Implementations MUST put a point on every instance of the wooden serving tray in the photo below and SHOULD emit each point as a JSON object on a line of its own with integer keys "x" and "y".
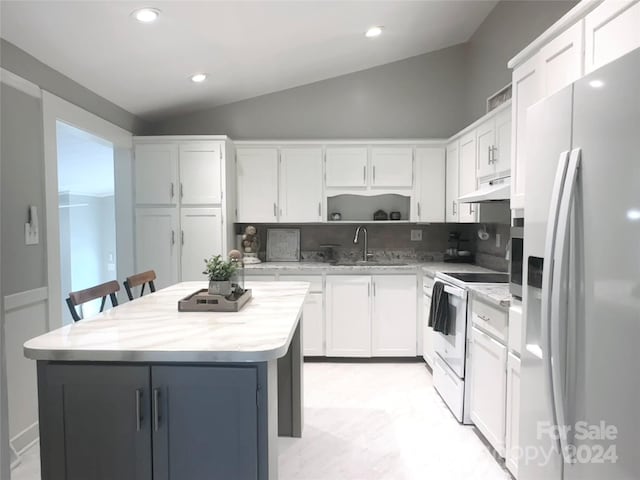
{"x": 202, "y": 301}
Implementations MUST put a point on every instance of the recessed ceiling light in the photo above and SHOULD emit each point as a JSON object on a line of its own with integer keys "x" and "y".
{"x": 596, "y": 83}
{"x": 146, "y": 15}
{"x": 374, "y": 32}
{"x": 198, "y": 77}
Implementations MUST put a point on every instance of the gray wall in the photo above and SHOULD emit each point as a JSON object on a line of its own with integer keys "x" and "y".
{"x": 30, "y": 68}
{"x": 413, "y": 98}
{"x": 431, "y": 95}
{"x": 23, "y": 267}
{"x": 510, "y": 27}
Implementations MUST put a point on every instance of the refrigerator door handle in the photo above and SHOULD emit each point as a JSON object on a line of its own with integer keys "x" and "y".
{"x": 558, "y": 297}
{"x": 547, "y": 277}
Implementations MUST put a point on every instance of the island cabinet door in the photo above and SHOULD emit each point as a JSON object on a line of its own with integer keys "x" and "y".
{"x": 205, "y": 423}
{"x": 94, "y": 422}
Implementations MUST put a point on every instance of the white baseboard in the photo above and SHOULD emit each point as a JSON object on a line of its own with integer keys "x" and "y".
{"x": 25, "y": 439}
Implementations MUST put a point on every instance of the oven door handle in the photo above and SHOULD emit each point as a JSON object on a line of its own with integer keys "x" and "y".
{"x": 456, "y": 292}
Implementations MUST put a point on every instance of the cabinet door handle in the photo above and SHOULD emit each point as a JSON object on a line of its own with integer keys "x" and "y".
{"x": 374, "y": 174}
{"x": 275, "y": 211}
{"x": 181, "y": 190}
{"x": 368, "y": 289}
{"x": 364, "y": 174}
{"x": 418, "y": 209}
{"x": 374, "y": 288}
{"x": 173, "y": 237}
{"x": 138, "y": 414}
{"x": 494, "y": 158}
{"x": 182, "y": 237}
{"x": 171, "y": 190}
{"x": 156, "y": 409}
{"x": 470, "y": 209}
{"x": 489, "y": 156}
{"x": 454, "y": 207}
{"x": 319, "y": 209}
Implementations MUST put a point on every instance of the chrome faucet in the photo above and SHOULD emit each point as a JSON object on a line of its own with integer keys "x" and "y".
{"x": 365, "y": 252}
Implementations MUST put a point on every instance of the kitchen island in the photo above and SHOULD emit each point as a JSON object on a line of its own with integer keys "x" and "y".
{"x": 143, "y": 391}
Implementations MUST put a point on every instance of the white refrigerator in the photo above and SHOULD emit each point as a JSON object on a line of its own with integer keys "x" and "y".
{"x": 580, "y": 370}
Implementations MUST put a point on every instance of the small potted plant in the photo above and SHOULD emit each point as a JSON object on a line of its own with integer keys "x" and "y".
{"x": 220, "y": 272}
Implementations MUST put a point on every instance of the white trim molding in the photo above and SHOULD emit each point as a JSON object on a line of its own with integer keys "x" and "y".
{"x": 19, "y": 83}
{"x": 56, "y": 109}
{"x": 24, "y": 299}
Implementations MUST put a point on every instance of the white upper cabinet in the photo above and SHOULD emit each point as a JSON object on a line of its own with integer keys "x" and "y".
{"x": 430, "y": 187}
{"x": 486, "y": 143}
{"x": 526, "y": 91}
{"x": 611, "y": 30}
{"x": 391, "y": 167}
{"x": 393, "y": 330}
{"x": 156, "y": 174}
{"x": 157, "y": 244}
{"x": 561, "y": 60}
{"x": 200, "y": 238}
{"x": 301, "y": 184}
{"x": 257, "y": 170}
{"x": 200, "y": 173}
{"x": 502, "y": 150}
{"x": 452, "y": 179}
{"x": 346, "y": 167}
{"x": 467, "y": 177}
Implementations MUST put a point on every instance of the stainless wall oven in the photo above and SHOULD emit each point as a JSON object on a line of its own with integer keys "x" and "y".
{"x": 516, "y": 258}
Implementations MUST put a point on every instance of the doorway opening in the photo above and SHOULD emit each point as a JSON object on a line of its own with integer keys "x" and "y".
{"x": 86, "y": 203}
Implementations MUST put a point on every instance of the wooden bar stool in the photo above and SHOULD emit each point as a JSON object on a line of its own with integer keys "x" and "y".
{"x": 103, "y": 290}
{"x": 140, "y": 279}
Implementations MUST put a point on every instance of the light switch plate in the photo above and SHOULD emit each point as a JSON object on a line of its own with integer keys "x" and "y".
{"x": 416, "y": 235}
{"x": 31, "y": 236}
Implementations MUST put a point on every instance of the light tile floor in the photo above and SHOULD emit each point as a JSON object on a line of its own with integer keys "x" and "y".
{"x": 371, "y": 421}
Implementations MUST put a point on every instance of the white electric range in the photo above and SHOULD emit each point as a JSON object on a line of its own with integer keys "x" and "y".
{"x": 451, "y": 349}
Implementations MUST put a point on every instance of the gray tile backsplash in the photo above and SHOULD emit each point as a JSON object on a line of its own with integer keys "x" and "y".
{"x": 393, "y": 242}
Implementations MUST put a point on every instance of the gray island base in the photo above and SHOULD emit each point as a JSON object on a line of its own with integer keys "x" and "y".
{"x": 134, "y": 394}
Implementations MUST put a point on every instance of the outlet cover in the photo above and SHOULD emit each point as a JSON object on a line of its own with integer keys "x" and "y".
{"x": 416, "y": 235}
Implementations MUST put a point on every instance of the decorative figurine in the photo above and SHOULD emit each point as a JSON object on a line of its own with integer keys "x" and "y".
{"x": 250, "y": 245}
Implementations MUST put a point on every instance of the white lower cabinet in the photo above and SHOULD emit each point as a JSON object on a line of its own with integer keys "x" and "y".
{"x": 312, "y": 315}
{"x": 513, "y": 414}
{"x": 200, "y": 238}
{"x": 313, "y": 326}
{"x": 427, "y": 332}
{"x": 488, "y": 388}
{"x": 157, "y": 244}
{"x": 393, "y": 330}
{"x": 348, "y": 316}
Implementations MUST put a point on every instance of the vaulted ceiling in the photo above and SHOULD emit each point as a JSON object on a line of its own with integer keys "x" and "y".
{"x": 248, "y": 48}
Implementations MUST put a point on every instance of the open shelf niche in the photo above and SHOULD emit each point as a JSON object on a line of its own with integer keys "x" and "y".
{"x": 360, "y": 208}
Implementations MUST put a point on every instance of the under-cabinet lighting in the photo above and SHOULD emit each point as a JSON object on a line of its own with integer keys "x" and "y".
{"x": 374, "y": 32}
{"x": 146, "y": 15}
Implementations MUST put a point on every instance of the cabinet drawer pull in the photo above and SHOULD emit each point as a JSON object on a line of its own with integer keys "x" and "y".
{"x": 138, "y": 413}
{"x": 156, "y": 409}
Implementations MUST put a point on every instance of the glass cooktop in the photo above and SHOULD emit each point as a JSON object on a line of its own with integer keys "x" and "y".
{"x": 480, "y": 277}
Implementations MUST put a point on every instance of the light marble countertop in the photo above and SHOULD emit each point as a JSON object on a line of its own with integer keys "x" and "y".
{"x": 150, "y": 329}
{"x": 497, "y": 294}
{"x": 402, "y": 266}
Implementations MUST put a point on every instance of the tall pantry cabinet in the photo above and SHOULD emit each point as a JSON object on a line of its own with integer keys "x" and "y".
{"x": 185, "y": 204}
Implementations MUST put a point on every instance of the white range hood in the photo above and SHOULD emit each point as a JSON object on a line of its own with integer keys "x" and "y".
{"x": 496, "y": 190}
